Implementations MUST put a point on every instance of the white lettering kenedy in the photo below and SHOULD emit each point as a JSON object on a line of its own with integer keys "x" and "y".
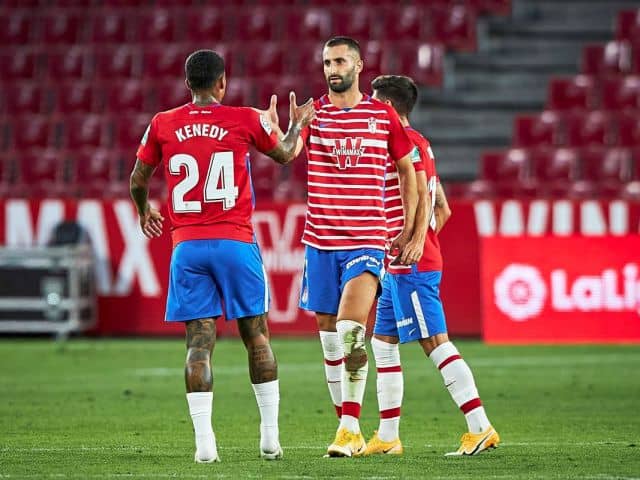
{"x": 201, "y": 130}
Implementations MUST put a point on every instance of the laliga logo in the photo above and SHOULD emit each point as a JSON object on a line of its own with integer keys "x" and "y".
{"x": 520, "y": 292}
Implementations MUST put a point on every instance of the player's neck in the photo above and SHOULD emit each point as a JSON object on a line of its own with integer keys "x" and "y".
{"x": 202, "y": 99}
{"x": 404, "y": 121}
{"x": 348, "y": 99}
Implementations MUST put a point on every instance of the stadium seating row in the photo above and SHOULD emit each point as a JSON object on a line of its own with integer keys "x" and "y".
{"x": 614, "y": 57}
{"x": 255, "y": 60}
{"x": 103, "y": 173}
{"x": 546, "y": 171}
{"x": 577, "y": 128}
{"x": 585, "y": 92}
{"x": 453, "y": 25}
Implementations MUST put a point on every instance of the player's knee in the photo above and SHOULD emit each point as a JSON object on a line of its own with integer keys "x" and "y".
{"x": 326, "y": 322}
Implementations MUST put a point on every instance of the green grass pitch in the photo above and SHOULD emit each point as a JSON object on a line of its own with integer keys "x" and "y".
{"x": 116, "y": 409}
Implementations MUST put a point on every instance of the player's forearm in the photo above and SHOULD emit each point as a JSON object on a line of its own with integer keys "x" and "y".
{"x": 441, "y": 208}
{"x": 139, "y": 187}
{"x": 287, "y": 146}
{"x": 409, "y": 195}
{"x": 423, "y": 211}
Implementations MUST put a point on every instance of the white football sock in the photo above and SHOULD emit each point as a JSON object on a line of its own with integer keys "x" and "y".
{"x": 459, "y": 381}
{"x": 200, "y": 410}
{"x": 390, "y": 388}
{"x": 353, "y": 383}
{"x": 268, "y": 399}
{"x": 333, "y": 355}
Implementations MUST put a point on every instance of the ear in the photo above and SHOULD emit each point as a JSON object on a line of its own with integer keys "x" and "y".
{"x": 222, "y": 82}
{"x": 186, "y": 82}
{"x": 359, "y": 65}
{"x": 388, "y": 102}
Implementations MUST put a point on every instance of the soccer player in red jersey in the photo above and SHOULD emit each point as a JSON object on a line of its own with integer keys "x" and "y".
{"x": 410, "y": 308}
{"x": 202, "y": 148}
{"x": 347, "y": 147}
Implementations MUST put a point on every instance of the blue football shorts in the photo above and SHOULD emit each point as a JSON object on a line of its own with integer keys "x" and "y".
{"x": 326, "y": 272}
{"x": 410, "y": 307}
{"x": 211, "y": 277}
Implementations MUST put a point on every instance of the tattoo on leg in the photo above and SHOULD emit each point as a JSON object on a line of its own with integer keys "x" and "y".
{"x": 356, "y": 358}
{"x": 201, "y": 337}
{"x": 255, "y": 335}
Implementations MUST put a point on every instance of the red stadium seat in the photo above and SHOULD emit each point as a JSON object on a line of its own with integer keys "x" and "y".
{"x": 95, "y": 171}
{"x": 7, "y": 167}
{"x": 84, "y": 131}
{"x": 628, "y": 25}
{"x": 117, "y": 63}
{"x": 171, "y": 93}
{"x": 494, "y": 7}
{"x": 155, "y": 25}
{"x": 280, "y": 86}
{"x": 108, "y": 26}
{"x": 77, "y": 97}
{"x": 613, "y": 57}
{"x": 16, "y": 27}
{"x": 628, "y": 129}
{"x": 421, "y": 61}
{"x": 606, "y": 168}
{"x": 19, "y": 64}
{"x": 41, "y": 172}
{"x": 306, "y": 59}
{"x": 33, "y": 131}
{"x": 371, "y": 52}
{"x": 504, "y": 173}
{"x": 239, "y": 92}
{"x": 257, "y": 23}
{"x": 264, "y": 58}
{"x": 129, "y": 130}
{"x": 403, "y": 22}
{"x": 619, "y": 93}
{"x": 590, "y": 128}
{"x": 568, "y": 93}
{"x": 68, "y": 63}
{"x": 356, "y": 22}
{"x": 540, "y": 129}
{"x": 554, "y": 170}
{"x": 165, "y": 61}
{"x": 129, "y": 96}
{"x": 310, "y": 24}
{"x": 61, "y": 27}
{"x": 264, "y": 175}
{"x": 454, "y": 26}
{"x": 24, "y": 97}
{"x": 207, "y": 25}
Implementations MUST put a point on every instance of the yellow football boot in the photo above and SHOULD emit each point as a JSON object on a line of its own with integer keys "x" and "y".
{"x": 347, "y": 444}
{"x": 375, "y": 446}
{"x": 474, "y": 443}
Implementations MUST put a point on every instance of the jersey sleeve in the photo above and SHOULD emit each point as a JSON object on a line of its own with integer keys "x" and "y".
{"x": 417, "y": 160}
{"x": 304, "y": 134}
{"x": 430, "y": 162}
{"x": 260, "y": 131}
{"x": 149, "y": 151}
{"x": 399, "y": 142}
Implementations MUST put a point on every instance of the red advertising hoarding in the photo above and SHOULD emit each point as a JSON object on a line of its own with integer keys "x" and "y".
{"x": 561, "y": 289}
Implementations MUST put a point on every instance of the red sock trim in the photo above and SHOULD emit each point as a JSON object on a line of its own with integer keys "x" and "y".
{"x": 448, "y": 360}
{"x": 470, "y": 405}
{"x": 351, "y": 408}
{"x": 395, "y": 368}
{"x": 390, "y": 413}
{"x": 338, "y": 410}
{"x": 333, "y": 363}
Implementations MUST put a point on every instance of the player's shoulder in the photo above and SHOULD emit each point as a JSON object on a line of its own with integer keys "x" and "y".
{"x": 418, "y": 138}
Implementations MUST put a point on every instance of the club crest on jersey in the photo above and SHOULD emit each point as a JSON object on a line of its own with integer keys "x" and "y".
{"x": 348, "y": 151}
{"x": 372, "y": 125}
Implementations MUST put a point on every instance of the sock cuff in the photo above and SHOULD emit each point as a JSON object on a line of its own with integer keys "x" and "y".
{"x": 344, "y": 326}
{"x": 386, "y": 354}
{"x": 443, "y": 352}
{"x": 267, "y": 389}
{"x": 331, "y": 346}
{"x": 199, "y": 402}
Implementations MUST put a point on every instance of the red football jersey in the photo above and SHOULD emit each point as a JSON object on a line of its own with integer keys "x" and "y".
{"x": 347, "y": 151}
{"x": 204, "y": 156}
{"x": 423, "y": 159}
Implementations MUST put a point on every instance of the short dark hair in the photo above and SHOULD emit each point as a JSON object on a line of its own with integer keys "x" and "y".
{"x": 400, "y": 90}
{"x": 203, "y": 68}
{"x": 348, "y": 41}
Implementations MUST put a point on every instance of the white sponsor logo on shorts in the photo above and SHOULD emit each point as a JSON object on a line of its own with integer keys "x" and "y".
{"x": 404, "y": 322}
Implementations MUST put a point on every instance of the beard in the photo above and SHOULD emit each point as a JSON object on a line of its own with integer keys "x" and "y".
{"x": 345, "y": 83}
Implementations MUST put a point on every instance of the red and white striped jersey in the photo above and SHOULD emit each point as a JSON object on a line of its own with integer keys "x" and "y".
{"x": 347, "y": 151}
{"x": 423, "y": 160}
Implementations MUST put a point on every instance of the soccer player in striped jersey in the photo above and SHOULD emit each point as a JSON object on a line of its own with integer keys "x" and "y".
{"x": 347, "y": 147}
{"x": 410, "y": 308}
{"x": 216, "y": 267}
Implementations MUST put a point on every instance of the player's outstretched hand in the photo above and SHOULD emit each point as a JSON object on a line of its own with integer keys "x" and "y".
{"x": 300, "y": 115}
{"x": 151, "y": 223}
{"x": 271, "y": 113}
